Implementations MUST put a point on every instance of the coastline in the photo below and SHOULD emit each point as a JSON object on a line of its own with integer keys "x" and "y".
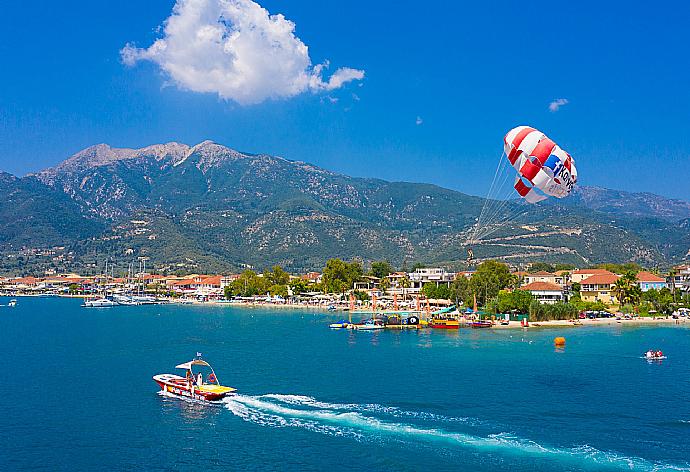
{"x": 357, "y": 315}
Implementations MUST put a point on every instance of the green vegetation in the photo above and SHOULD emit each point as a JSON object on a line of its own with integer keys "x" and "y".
{"x": 431, "y": 290}
{"x": 339, "y": 276}
{"x": 620, "y": 268}
{"x": 505, "y": 302}
{"x": 557, "y": 311}
{"x": 381, "y": 269}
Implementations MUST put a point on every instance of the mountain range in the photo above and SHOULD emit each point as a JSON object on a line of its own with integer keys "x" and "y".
{"x": 209, "y": 208}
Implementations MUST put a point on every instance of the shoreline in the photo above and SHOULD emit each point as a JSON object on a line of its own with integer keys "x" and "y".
{"x": 639, "y": 321}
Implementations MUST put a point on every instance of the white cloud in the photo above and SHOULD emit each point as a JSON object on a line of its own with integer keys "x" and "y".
{"x": 236, "y": 49}
{"x": 555, "y": 105}
{"x": 419, "y": 121}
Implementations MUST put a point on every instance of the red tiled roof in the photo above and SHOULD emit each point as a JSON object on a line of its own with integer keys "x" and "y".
{"x": 26, "y": 280}
{"x": 542, "y": 287}
{"x": 649, "y": 277}
{"x": 182, "y": 282}
{"x": 213, "y": 280}
{"x": 601, "y": 279}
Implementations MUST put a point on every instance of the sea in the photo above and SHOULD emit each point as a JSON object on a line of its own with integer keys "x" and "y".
{"x": 77, "y": 394}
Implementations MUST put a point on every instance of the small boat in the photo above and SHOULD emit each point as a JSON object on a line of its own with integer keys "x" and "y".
{"x": 331, "y": 307}
{"x": 194, "y": 385}
{"x": 370, "y": 325}
{"x": 505, "y": 323}
{"x": 444, "y": 323}
{"x": 99, "y": 303}
{"x": 12, "y": 303}
{"x": 652, "y": 355}
{"x": 481, "y": 324}
{"x": 340, "y": 324}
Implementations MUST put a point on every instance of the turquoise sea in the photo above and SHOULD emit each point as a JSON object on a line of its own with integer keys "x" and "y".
{"x": 77, "y": 394}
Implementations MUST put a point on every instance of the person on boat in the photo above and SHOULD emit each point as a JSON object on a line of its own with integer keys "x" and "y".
{"x": 200, "y": 379}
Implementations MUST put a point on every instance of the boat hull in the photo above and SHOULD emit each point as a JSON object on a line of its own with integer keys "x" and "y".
{"x": 178, "y": 386}
{"x": 445, "y": 324}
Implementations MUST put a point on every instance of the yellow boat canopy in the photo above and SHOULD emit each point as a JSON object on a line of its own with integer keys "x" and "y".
{"x": 188, "y": 365}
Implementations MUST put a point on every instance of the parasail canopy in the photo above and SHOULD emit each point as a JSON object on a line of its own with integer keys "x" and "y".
{"x": 543, "y": 168}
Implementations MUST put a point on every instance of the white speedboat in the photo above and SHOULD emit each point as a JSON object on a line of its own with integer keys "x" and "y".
{"x": 194, "y": 385}
{"x": 12, "y": 302}
{"x": 99, "y": 303}
{"x": 370, "y": 325}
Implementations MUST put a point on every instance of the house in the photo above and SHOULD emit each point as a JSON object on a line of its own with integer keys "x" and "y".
{"x": 312, "y": 277}
{"x": 541, "y": 276}
{"x": 434, "y": 275}
{"x": 599, "y": 288}
{"x": 208, "y": 285}
{"x": 228, "y": 280}
{"x": 546, "y": 292}
{"x": 648, "y": 281}
{"x": 681, "y": 279}
{"x": 368, "y": 283}
{"x": 578, "y": 276}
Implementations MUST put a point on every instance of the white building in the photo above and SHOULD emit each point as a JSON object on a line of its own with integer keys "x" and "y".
{"x": 429, "y": 275}
{"x": 546, "y": 292}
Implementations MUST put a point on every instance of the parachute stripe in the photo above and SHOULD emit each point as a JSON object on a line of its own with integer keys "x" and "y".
{"x": 543, "y": 149}
{"x": 516, "y": 141}
{"x": 529, "y": 170}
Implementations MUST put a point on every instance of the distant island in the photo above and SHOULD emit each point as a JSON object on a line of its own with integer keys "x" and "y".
{"x": 211, "y": 209}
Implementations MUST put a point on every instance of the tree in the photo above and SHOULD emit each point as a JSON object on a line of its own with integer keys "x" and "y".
{"x": 417, "y": 265}
{"x": 339, "y": 276}
{"x": 381, "y": 269}
{"x": 627, "y": 289}
{"x": 518, "y": 300}
{"x": 490, "y": 278}
{"x": 461, "y": 291}
{"x": 277, "y": 276}
{"x": 249, "y": 284}
{"x": 299, "y": 286}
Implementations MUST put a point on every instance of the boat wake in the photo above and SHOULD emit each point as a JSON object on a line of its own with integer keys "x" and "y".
{"x": 372, "y": 422}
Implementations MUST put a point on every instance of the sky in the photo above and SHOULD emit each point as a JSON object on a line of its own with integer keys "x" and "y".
{"x": 398, "y": 90}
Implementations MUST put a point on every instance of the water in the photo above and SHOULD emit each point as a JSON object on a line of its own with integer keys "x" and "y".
{"x": 77, "y": 394}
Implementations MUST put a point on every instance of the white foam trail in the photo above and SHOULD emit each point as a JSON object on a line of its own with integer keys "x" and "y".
{"x": 303, "y": 400}
{"x": 351, "y": 420}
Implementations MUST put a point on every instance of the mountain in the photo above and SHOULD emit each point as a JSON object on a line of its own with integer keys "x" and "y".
{"x": 628, "y": 204}
{"x": 211, "y": 208}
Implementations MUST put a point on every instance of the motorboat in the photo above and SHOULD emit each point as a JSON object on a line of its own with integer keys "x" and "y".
{"x": 481, "y": 324}
{"x": 125, "y": 300}
{"x": 99, "y": 303}
{"x": 12, "y": 303}
{"x": 340, "y": 324}
{"x": 197, "y": 385}
{"x": 370, "y": 325}
{"x": 652, "y": 355}
{"x": 444, "y": 323}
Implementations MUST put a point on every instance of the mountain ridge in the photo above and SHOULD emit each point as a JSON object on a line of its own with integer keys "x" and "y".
{"x": 224, "y": 209}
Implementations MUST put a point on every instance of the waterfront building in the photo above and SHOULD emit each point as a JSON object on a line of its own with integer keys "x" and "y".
{"x": 546, "y": 292}
{"x": 648, "y": 281}
{"x": 434, "y": 275}
{"x": 578, "y": 276}
{"x": 681, "y": 279}
{"x": 599, "y": 288}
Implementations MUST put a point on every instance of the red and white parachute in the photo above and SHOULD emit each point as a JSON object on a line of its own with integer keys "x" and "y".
{"x": 544, "y": 169}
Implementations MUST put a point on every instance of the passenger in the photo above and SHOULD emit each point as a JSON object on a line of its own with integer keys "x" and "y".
{"x": 200, "y": 379}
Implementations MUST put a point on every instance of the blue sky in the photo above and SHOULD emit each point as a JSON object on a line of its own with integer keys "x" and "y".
{"x": 443, "y": 82}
